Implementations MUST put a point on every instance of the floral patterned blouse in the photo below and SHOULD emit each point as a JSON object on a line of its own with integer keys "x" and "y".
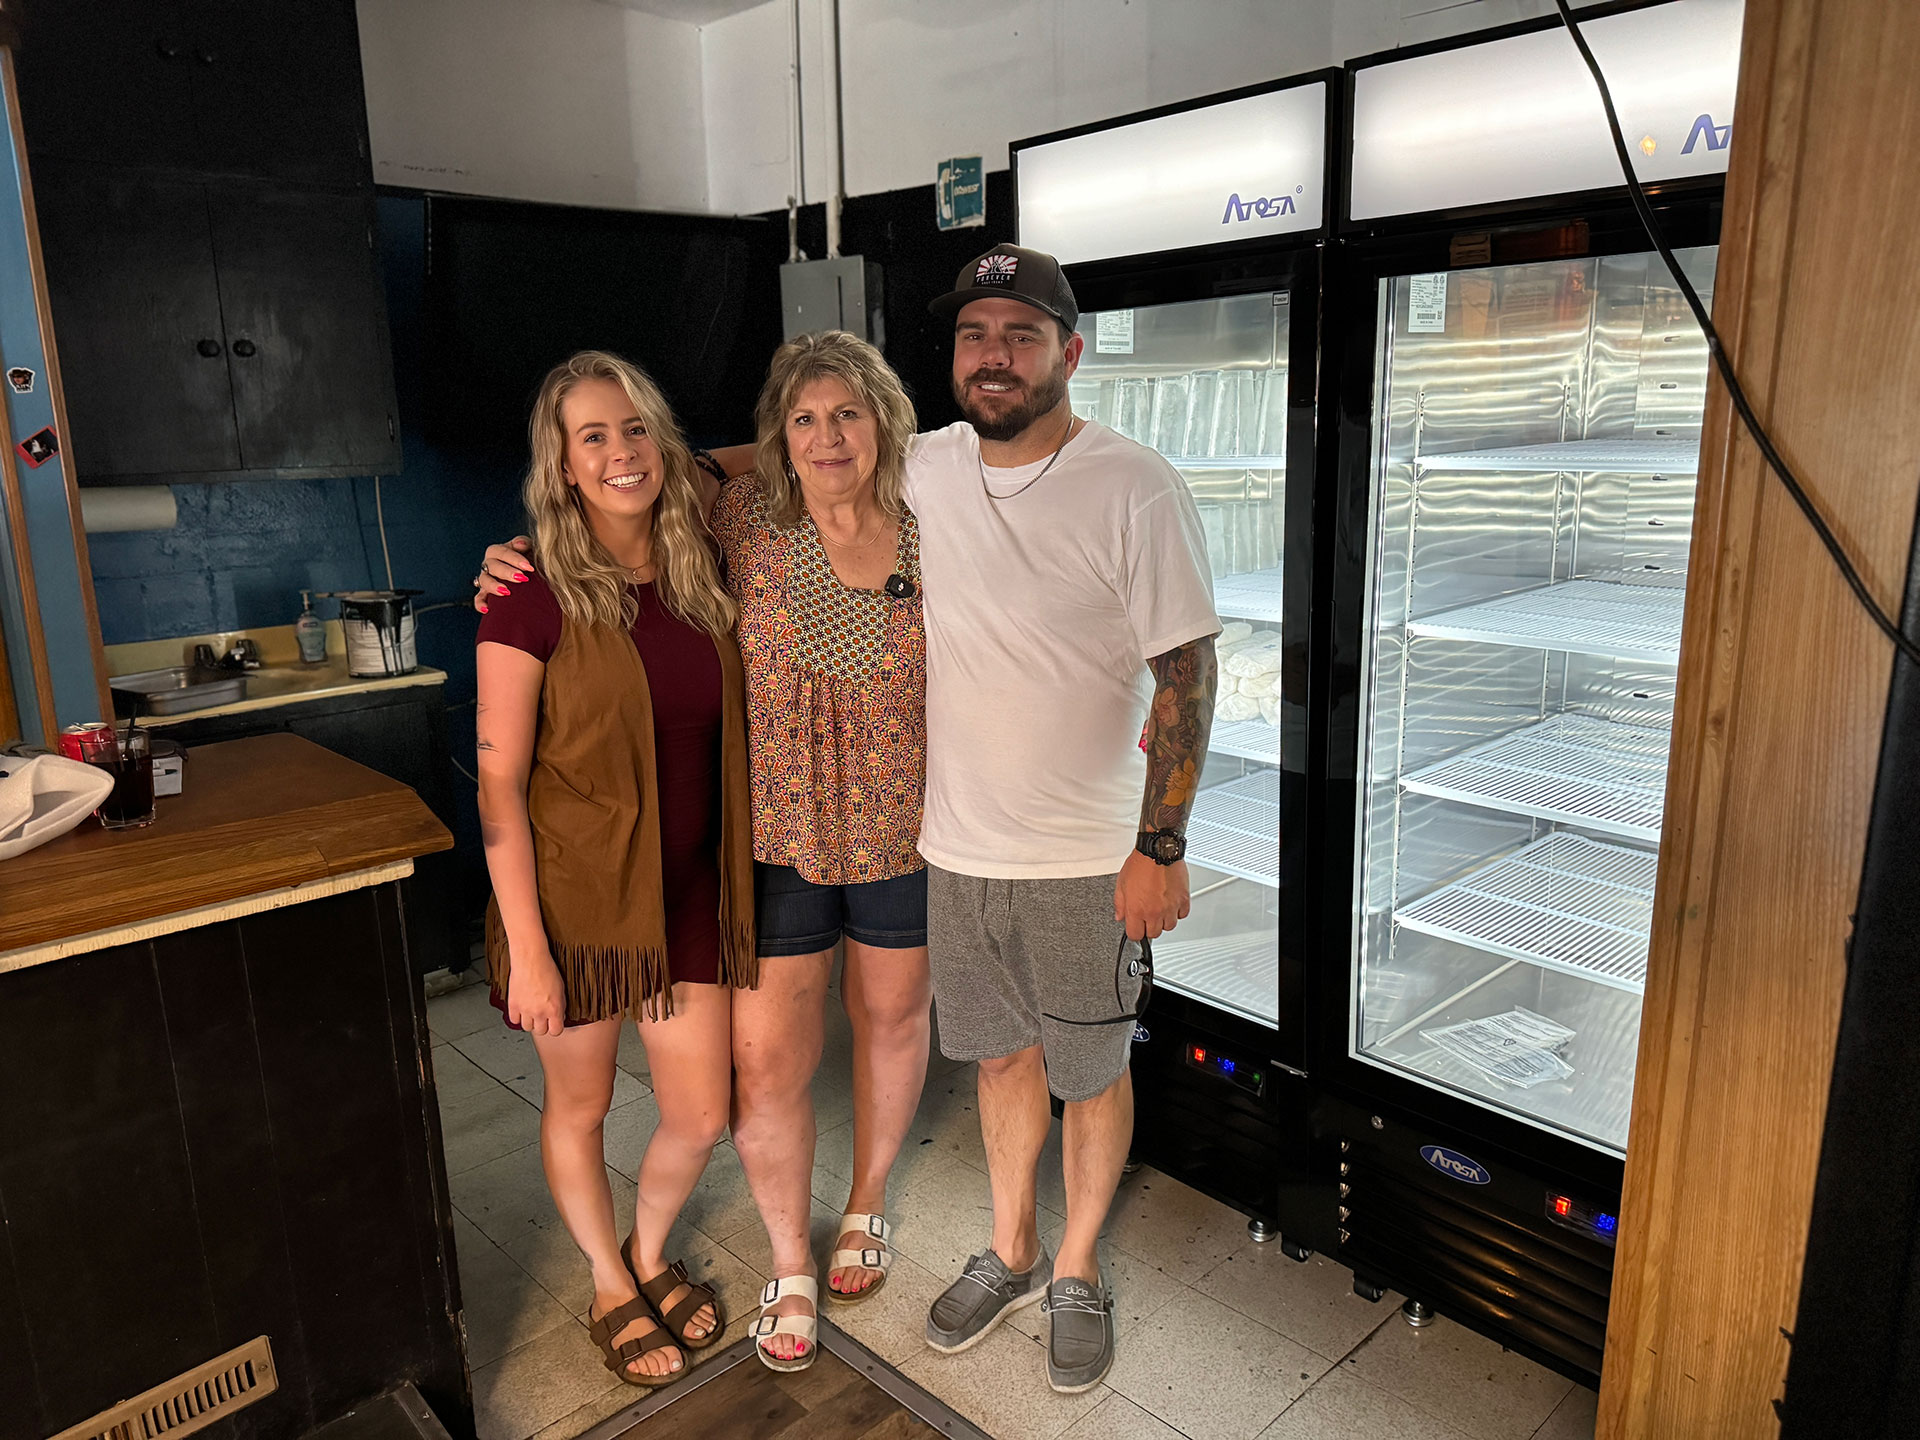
{"x": 836, "y": 698}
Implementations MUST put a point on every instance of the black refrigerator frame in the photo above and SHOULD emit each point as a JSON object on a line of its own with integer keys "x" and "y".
{"x": 1240, "y": 1147}
{"x": 1489, "y": 1254}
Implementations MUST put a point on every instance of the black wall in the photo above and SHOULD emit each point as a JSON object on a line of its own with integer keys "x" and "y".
{"x": 512, "y": 288}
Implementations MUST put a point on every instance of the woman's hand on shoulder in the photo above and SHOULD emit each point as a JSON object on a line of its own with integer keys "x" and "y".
{"x": 536, "y": 1000}
{"x": 500, "y": 567}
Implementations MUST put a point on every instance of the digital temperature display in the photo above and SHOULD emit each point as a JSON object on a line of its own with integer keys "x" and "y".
{"x": 1590, "y": 1220}
{"x": 1227, "y": 1067}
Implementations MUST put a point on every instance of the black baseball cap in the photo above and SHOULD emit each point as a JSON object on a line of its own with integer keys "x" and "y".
{"x": 1016, "y": 274}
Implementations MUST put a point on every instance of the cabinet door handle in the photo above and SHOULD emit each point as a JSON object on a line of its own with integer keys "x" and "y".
{"x": 243, "y": 348}
{"x": 208, "y": 348}
{"x": 167, "y": 49}
{"x": 206, "y": 57}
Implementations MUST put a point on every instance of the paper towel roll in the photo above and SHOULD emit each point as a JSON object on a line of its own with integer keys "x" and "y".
{"x": 104, "y": 509}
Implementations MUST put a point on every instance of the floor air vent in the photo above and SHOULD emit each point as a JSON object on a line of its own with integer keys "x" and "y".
{"x": 188, "y": 1402}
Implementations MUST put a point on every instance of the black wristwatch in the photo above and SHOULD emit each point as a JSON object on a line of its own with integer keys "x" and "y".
{"x": 1163, "y": 847}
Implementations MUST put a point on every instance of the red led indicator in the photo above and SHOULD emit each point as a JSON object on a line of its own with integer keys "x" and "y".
{"x": 1199, "y": 1055}
{"x": 1562, "y": 1205}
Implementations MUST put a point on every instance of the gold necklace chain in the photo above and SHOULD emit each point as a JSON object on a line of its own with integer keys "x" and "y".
{"x": 867, "y": 544}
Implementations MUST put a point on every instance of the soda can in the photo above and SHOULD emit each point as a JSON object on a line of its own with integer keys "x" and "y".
{"x": 92, "y": 741}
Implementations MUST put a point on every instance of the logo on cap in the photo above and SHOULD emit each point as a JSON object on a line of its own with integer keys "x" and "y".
{"x": 996, "y": 270}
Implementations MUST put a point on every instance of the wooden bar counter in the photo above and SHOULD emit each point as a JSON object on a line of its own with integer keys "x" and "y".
{"x": 217, "y": 1118}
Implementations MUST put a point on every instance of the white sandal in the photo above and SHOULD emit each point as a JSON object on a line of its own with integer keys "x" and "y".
{"x": 806, "y": 1327}
{"x": 877, "y": 1256}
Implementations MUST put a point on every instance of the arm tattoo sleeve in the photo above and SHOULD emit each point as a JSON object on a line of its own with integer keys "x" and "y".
{"x": 1178, "y": 725}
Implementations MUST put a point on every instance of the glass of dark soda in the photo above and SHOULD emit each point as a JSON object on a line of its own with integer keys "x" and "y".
{"x": 130, "y": 762}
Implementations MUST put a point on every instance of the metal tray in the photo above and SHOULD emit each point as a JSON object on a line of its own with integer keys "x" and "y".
{"x": 175, "y": 690}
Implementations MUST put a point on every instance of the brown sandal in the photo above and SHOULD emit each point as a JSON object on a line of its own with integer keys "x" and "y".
{"x": 680, "y": 1316}
{"x": 664, "y": 1284}
{"x": 619, "y": 1357}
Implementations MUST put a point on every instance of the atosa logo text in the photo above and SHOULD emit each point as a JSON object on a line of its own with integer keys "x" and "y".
{"x": 1264, "y": 207}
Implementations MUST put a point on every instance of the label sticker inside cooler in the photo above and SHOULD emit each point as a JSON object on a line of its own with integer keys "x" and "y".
{"x": 1427, "y": 304}
{"x": 1114, "y": 333}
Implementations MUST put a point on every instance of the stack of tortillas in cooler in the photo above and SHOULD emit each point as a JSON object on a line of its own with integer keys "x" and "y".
{"x": 1249, "y": 673}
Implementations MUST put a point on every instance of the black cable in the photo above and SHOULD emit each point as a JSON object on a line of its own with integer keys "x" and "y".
{"x": 1775, "y": 461}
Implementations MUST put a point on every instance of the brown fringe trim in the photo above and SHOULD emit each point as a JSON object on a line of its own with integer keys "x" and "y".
{"x": 601, "y": 981}
{"x": 739, "y": 957}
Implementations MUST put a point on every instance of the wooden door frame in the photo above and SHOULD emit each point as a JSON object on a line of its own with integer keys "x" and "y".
{"x": 1778, "y": 724}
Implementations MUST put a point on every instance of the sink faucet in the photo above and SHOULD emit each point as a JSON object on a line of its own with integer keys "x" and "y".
{"x": 243, "y": 654}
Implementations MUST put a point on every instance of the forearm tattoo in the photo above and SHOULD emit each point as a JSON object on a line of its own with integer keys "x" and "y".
{"x": 1178, "y": 726}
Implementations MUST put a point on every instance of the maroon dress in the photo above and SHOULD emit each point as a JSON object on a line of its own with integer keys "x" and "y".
{"x": 683, "y": 678}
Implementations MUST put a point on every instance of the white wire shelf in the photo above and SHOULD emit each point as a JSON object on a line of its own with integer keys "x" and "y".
{"x": 1585, "y": 617}
{"x": 1235, "y": 828}
{"x": 1572, "y": 769}
{"x": 1247, "y": 740}
{"x": 1625, "y": 456}
{"x": 1227, "y": 462}
{"x": 1240, "y": 972}
{"x": 1566, "y": 903}
{"x": 1254, "y": 595}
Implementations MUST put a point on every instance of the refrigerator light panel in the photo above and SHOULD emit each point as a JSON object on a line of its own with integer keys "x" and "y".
{"x": 1589, "y": 1220}
{"x": 1226, "y": 1067}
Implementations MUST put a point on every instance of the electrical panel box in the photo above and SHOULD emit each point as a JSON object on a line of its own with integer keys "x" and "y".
{"x": 839, "y": 294}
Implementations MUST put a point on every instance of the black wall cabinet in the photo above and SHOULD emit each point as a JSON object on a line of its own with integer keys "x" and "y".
{"x": 206, "y": 212}
{"x": 263, "y": 88}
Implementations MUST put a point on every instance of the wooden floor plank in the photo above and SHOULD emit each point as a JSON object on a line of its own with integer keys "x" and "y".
{"x": 827, "y": 1401}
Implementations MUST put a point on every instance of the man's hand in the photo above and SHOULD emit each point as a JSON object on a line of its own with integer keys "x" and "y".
{"x": 1150, "y": 899}
{"x": 503, "y": 565}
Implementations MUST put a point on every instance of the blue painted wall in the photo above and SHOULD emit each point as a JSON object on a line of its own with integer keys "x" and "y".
{"x": 57, "y": 578}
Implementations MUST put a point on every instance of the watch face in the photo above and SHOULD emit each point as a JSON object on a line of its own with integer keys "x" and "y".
{"x": 1170, "y": 847}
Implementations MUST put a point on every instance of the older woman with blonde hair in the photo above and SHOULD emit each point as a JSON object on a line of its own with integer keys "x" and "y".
{"x": 823, "y": 560}
{"x": 615, "y": 811}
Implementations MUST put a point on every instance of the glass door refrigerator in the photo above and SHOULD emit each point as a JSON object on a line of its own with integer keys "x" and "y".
{"x": 1194, "y": 237}
{"x": 1520, "y": 410}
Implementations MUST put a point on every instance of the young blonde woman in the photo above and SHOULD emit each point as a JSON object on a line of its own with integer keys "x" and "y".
{"x": 823, "y": 559}
{"x": 614, "y": 807}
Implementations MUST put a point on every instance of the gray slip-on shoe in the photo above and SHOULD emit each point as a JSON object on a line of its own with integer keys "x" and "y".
{"x": 985, "y": 1294}
{"x": 1079, "y": 1335}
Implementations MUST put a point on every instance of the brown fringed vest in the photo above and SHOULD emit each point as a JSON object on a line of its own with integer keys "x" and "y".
{"x": 592, "y": 798}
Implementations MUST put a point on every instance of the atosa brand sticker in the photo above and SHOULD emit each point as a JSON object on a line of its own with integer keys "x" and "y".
{"x": 1455, "y": 1166}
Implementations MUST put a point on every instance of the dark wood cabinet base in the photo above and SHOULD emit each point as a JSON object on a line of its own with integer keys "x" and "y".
{"x": 223, "y": 1133}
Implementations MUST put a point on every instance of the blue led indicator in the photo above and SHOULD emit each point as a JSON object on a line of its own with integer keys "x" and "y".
{"x": 1605, "y": 1222}
{"x": 1227, "y": 1065}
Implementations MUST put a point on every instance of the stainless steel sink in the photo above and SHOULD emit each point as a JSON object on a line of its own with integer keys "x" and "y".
{"x": 175, "y": 690}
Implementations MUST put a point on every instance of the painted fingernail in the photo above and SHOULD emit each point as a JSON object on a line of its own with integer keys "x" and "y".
{"x": 483, "y": 609}
{"x": 518, "y": 576}
{"x": 504, "y": 590}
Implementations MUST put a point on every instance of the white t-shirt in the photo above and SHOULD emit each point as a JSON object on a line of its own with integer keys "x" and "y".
{"x": 1042, "y": 609}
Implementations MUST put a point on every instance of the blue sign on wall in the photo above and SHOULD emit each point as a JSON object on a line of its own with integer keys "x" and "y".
{"x": 960, "y": 193}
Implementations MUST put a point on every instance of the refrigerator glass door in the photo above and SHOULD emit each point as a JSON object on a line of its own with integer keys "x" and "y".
{"x": 1536, "y": 438}
{"x": 1205, "y": 383}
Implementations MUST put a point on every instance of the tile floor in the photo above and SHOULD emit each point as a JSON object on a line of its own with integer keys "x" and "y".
{"x": 1219, "y": 1338}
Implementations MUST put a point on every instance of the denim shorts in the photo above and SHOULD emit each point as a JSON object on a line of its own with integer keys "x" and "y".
{"x": 794, "y": 916}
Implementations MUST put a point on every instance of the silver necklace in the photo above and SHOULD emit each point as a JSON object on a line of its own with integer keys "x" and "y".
{"x": 1072, "y": 420}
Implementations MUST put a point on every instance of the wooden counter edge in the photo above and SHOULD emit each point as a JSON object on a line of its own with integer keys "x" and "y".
{"x": 157, "y": 926}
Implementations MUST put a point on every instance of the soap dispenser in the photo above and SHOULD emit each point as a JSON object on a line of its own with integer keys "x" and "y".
{"x": 310, "y": 632}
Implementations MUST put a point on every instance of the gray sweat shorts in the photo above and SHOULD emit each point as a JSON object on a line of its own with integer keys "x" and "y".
{"x": 1007, "y": 954}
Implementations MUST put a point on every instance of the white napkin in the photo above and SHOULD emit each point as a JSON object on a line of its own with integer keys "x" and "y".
{"x": 44, "y": 797}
